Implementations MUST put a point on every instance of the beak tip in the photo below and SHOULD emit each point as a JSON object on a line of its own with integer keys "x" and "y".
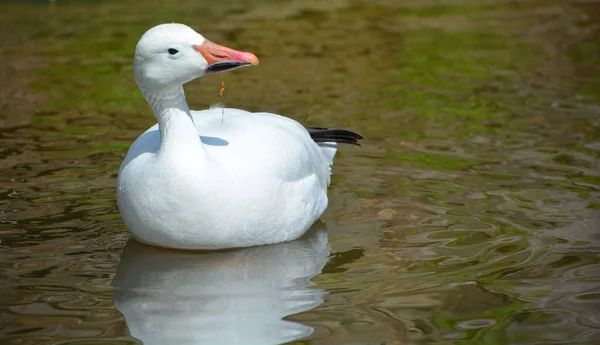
{"x": 252, "y": 59}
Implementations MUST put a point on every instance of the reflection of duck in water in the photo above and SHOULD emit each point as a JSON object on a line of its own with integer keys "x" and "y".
{"x": 227, "y": 297}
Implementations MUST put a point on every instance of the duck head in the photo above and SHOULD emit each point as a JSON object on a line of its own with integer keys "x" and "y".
{"x": 170, "y": 55}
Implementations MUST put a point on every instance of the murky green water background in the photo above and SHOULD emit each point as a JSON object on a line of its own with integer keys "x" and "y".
{"x": 471, "y": 215}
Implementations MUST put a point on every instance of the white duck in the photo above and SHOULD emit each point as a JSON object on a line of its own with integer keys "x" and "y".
{"x": 217, "y": 178}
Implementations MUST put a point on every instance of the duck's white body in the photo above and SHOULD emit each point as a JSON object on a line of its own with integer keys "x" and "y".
{"x": 257, "y": 178}
{"x": 217, "y": 178}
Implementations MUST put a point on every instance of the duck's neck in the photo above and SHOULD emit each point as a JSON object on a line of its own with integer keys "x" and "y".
{"x": 178, "y": 135}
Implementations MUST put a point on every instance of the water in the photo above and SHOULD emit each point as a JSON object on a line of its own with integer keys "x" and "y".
{"x": 471, "y": 215}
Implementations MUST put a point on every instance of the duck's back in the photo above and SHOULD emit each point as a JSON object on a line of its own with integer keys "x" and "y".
{"x": 261, "y": 143}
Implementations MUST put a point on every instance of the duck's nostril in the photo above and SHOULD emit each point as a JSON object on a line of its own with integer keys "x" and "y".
{"x": 218, "y": 55}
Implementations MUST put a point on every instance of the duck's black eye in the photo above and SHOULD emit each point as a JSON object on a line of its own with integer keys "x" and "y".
{"x": 173, "y": 51}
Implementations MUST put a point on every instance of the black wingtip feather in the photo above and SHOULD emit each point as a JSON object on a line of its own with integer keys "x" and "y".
{"x": 321, "y": 135}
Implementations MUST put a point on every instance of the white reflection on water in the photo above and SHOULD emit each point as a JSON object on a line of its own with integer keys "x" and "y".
{"x": 226, "y": 297}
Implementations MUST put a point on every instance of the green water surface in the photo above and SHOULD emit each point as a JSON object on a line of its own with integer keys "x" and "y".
{"x": 471, "y": 215}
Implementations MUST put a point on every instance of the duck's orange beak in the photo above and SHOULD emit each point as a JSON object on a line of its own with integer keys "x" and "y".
{"x": 222, "y": 59}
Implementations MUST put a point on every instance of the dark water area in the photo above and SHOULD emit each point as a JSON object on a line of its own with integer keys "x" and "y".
{"x": 471, "y": 215}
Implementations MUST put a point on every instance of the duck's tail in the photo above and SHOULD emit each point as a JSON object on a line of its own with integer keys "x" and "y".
{"x": 326, "y": 135}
